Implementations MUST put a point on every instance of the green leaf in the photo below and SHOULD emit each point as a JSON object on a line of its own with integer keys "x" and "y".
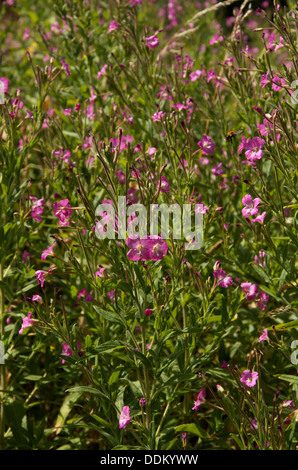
{"x": 108, "y": 315}
{"x": 293, "y": 379}
{"x": 285, "y": 326}
{"x": 110, "y": 346}
{"x": 87, "y": 389}
{"x": 65, "y": 409}
{"x": 194, "y": 429}
{"x": 34, "y": 378}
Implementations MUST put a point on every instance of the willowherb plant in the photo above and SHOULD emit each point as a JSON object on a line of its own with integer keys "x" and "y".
{"x": 116, "y": 337}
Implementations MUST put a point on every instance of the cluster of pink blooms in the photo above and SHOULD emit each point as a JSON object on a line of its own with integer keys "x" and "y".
{"x": 252, "y": 292}
{"x": 251, "y": 208}
{"x": 120, "y": 143}
{"x": 158, "y": 116}
{"x": 277, "y": 82}
{"x": 152, "y": 41}
{"x": 221, "y": 276}
{"x": 63, "y": 211}
{"x": 150, "y": 247}
{"x": 37, "y": 208}
{"x": 83, "y": 293}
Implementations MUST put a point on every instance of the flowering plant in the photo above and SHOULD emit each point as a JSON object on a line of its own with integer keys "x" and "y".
{"x": 120, "y": 331}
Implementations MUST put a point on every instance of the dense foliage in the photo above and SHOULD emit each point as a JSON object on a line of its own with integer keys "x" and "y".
{"x": 143, "y": 343}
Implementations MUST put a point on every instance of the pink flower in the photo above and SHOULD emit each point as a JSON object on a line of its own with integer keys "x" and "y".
{"x": 151, "y": 247}
{"x": 120, "y": 177}
{"x": 261, "y": 260}
{"x": 196, "y": 75}
{"x": 89, "y": 112}
{"x": 102, "y": 71}
{"x": 276, "y": 82}
{"x": 265, "y": 79}
{"x": 223, "y": 279}
{"x": 66, "y": 351}
{"x": 218, "y": 170}
{"x": 164, "y": 184}
{"x": 148, "y": 312}
{"x": 158, "y": 247}
{"x": 26, "y": 34}
{"x": 216, "y": 39}
{"x": 111, "y": 295}
{"x": 264, "y": 336}
{"x": 48, "y": 252}
{"x": 250, "y": 290}
{"x": 260, "y": 219}
{"x": 120, "y": 145}
{"x": 26, "y": 255}
{"x": 211, "y": 75}
{"x": 206, "y": 145}
{"x": 26, "y": 323}
{"x": 124, "y": 417}
{"x": 263, "y": 300}
{"x": 253, "y": 149}
{"x": 249, "y": 378}
{"x": 67, "y": 111}
{"x": 37, "y": 208}
{"x": 65, "y": 66}
{"x": 254, "y": 424}
{"x": 251, "y": 206}
{"x": 100, "y": 272}
{"x": 151, "y": 151}
{"x": 201, "y": 209}
{"x": 63, "y": 211}
{"x": 83, "y": 293}
{"x": 37, "y": 298}
{"x": 280, "y": 44}
{"x": 152, "y": 41}
{"x": 40, "y": 275}
{"x": 157, "y": 116}
{"x": 179, "y": 106}
{"x": 200, "y": 399}
{"x": 138, "y": 249}
{"x": 113, "y": 25}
